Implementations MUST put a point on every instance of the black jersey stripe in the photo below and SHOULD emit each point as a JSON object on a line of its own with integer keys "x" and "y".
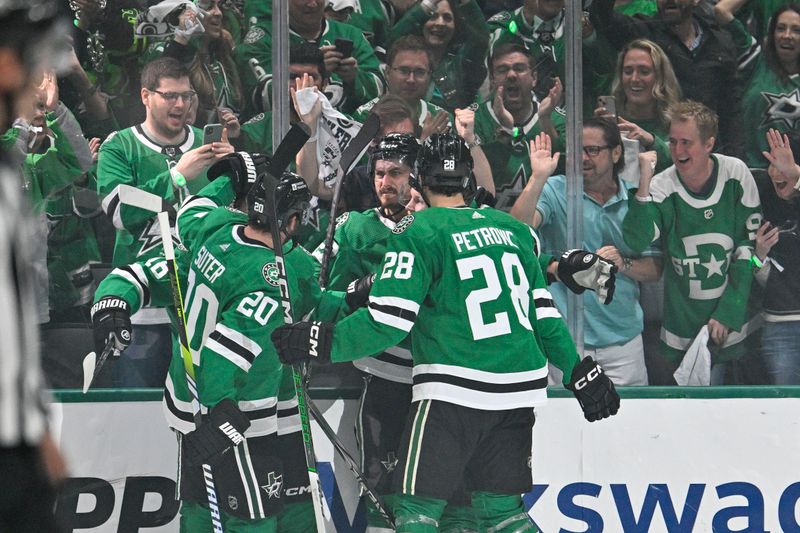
{"x": 233, "y": 346}
{"x": 393, "y": 310}
{"x": 386, "y": 357}
{"x": 181, "y": 415}
{"x": 541, "y": 303}
{"x": 143, "y": 285}
{"x": 480, "y": 386}
{"x": 112, "y": 206}
{"x": 258, "y": 414}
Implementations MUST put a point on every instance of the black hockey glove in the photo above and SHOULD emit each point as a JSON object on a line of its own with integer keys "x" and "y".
{"x": 303, "y": 341}
{"x": 594, "y": 391}
{"x": 111, "y": 321}
{"x": 358, "y": 292}
{"x": 580, "y": 270}
{"x": 223, "y": 428}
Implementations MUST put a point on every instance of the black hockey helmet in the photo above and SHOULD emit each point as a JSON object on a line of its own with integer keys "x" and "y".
{"x": 394, "y": 146}
{"x": 442, "y": 161}
{"x": 291, "y": 197}
{"x": 242, "y": 168}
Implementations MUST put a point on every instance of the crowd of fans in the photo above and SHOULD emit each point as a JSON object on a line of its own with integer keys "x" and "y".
{"x": 688, "y": 104}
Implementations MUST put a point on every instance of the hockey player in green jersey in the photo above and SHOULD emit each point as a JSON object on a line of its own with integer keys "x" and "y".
{"x": 358, "y": 247}
{"x": 466, "y": 284}
{"x": 705, "y": 209}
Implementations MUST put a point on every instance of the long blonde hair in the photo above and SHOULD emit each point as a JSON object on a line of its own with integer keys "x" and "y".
{"x": 666, "y": 90}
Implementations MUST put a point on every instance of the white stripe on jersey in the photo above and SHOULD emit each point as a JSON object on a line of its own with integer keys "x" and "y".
{"x": 448, "y": 389}
{"x": 230, "y": 355}
{"x": 290, "y": 421}
{"x": 243, "y": 351}
{"x": 191, "y": 203}
{"x": 138, "y": 279}
{"x": 393, "y": 307}
{"x": 545, "y": 306}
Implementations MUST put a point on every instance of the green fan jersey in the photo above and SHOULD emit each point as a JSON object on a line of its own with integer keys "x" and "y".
{"x": 130, "y": 157}
{"x": 637, "y": 7}
{"x": 466, "y": 284}
{"x": 707, "y": 241}
{"x": 359, "y": 244}
{"x": 373, "y": 18}
{"x": 510, "y": 157}
{"x": 254, "y": 61}
{"x": 547, "y": 44}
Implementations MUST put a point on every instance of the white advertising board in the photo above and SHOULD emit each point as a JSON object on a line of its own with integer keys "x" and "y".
{"x": 661, "y": 465}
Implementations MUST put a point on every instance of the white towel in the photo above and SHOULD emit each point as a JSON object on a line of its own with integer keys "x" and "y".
{"x": 695, "y": 368}
{"x": 334, "y": 132}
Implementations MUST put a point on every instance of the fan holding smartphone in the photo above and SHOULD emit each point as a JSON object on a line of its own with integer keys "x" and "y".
{"x": 212, "y": 133}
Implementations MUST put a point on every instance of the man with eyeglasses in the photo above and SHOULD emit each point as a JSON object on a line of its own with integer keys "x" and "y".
{"x": 612, "y": 332}
{"x": 408, "y": 75}
{"x": 512, "y": 117}
{"x": 164, "y": 156}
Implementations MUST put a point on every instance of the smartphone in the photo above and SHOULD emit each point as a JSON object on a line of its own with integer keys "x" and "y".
{"x": 608, "y": 103}
{"x": 212, "y": 133}
{"x": 344, "y": 47}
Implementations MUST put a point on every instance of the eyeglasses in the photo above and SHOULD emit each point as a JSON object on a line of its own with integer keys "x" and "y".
{"x": 518, "y": 68}
{"x": 594, "y": 151}
{"x": 170, "y": 97}
{"x": 417, "y": 72}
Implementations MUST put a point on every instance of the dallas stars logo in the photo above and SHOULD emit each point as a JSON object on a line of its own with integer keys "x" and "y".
{"x": 270, "y": 273}
{"x": 273, "y": 486}
{"x": 390, "y": 463}
{"x": 784, "y": 109}
{"x": 508, "y": 193}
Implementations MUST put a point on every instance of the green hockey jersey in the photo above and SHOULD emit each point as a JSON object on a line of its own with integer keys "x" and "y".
{"x": 254, "y": 60}
{"x": 130, "y": 157}
{"x": 509, "y": 156}
{"x": 707, "y": 241}
{"x": 467, "y": 285}
{"x": 359, "y": 244}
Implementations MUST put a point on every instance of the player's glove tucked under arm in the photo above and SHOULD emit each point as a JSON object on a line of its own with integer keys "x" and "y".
{"x": 580, "y": 270}
{"x": 222, "y": 429}
{"x": 303, "y": 341}
{"x": 594, "y": 391}
{"x": 111, "y": 322}
{"x": 357, "y": 293}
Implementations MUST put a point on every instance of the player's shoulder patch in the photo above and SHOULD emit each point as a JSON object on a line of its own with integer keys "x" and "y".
{"x": 256, "y": 118}
{"x": 500, "y": 18}
{"x": 254, "y": 34}
{"x": 341, "y": 219}
{"x": 403, "y": 224}
{"x": 270, "y": 273}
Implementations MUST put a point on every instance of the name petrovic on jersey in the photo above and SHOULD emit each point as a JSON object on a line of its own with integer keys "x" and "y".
{"x": 481, "y": 237}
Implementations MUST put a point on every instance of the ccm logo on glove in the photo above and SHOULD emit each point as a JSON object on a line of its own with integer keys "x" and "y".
{"x": 589, "y": 377}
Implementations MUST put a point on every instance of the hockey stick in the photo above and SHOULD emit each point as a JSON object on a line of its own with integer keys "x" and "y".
{"x": 92, "y": 364}
{"x": 376, "y": 500}
{"x": 186, "y": 355}
{"x": 151, "y": 202}
{"x": 352, "y": 153}
{"x": 320, "y": 510}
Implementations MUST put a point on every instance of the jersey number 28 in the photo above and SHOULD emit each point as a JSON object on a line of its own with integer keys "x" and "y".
{"x": 514, "y": 287}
